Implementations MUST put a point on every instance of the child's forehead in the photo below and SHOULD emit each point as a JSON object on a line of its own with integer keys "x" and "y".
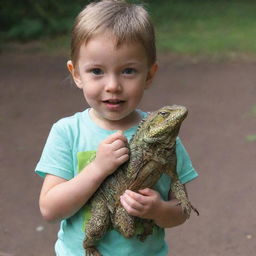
{"x": 117, "y": 41}
{"x": 125, "y": 47}
{"x": 101, "y": 49}
{"x": 108, "y": 38}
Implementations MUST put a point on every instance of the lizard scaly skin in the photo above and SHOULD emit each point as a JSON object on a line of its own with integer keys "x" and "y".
{"x": 152, "y": 153}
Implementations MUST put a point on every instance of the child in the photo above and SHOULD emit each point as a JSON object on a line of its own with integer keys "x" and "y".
{"x": 113, "y": 61}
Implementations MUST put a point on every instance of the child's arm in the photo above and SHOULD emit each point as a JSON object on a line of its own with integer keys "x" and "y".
{"x": 148, "y": 204}
{"x": 60, "y": 198}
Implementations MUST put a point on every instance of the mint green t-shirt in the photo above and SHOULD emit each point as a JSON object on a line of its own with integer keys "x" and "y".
{"x": 71, "y": 145}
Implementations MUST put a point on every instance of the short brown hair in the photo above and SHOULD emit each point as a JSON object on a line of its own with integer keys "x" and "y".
{"x": 128, "y": 22}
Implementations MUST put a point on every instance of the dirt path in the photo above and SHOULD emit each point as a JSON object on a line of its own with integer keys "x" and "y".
{"x": 221, "y": 97}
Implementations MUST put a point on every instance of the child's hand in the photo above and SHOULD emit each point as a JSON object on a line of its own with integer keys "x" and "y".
{"x": 144, "y": 204}
{"x": 111, "y": 153}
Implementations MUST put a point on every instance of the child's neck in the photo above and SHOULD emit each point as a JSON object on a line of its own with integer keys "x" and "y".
{"x": 124, "y": 124}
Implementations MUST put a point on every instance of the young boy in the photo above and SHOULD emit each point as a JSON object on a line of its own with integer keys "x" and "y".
{"x": 113, "y": 61}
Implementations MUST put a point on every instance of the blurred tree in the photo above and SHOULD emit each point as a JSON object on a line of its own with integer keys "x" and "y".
{"x": 30, "y": 19}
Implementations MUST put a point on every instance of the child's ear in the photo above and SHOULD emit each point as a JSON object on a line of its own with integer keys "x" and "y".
{"x": 151, "y": 73}
{"x": 75, "y": 74}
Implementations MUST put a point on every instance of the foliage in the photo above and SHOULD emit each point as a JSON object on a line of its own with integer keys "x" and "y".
{"x": 205, "y": 27}
{"x": 29, "y": 19}
{"x": 191, "y": 27}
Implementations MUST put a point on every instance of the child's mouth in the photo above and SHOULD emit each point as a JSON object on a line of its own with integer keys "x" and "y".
{"x": 113, "y": 104}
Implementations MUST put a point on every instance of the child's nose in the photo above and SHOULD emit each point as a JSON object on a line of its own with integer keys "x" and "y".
{"x": 113, "y": 84}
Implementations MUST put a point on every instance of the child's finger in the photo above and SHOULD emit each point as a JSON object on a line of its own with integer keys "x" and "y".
{"x": 135, "y": 196}
{"x": 130, "y": 209}
{"x": 113, "y": 137}
{"x": 147, "y": 192}
{"x": 117, "y": 144}
{"x": 122, "y": 159}
{"x": 121, "y": 152}
{"x": 133, "y": 203}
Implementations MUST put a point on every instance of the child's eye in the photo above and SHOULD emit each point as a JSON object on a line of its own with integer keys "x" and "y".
{"x": 129, "y": 71}
{"x": 96, "y": 71}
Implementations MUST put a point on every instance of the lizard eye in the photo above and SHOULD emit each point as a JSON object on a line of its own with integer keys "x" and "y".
{"x": 164, "y": 114}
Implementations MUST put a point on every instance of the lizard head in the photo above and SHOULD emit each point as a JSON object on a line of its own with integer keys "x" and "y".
{"x": 163, "y": 126}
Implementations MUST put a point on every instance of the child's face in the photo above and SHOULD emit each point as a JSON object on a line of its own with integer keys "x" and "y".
{"x": 113, "y": 79}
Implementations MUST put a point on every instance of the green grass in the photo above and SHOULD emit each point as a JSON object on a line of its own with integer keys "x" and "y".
{"x": 251, "y": 113}
{"x": 58, "y": 46}
{"x": 251, "y": 138}
{"x": 208, "y": 28}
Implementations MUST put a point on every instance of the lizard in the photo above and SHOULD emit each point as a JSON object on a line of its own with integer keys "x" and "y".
{"x": 152, "y": 153}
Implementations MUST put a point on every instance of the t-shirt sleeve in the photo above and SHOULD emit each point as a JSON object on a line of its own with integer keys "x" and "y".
{"x": 185, "y": 169}
{"x": 56, "y": 158}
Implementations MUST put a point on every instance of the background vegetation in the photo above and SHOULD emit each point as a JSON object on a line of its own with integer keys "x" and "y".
{"x": 191, "y": 27}
{"x": 28, "y": 19}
